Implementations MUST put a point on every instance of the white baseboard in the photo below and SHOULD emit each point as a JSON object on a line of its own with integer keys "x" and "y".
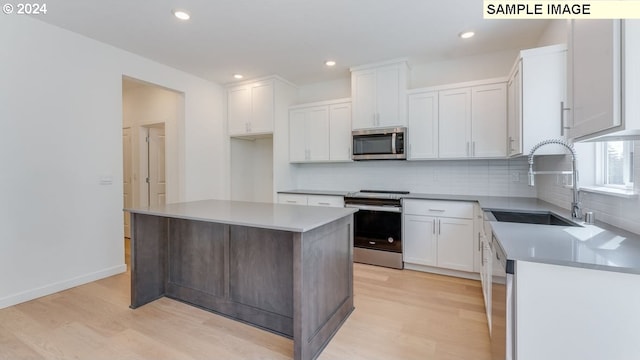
{"x": 441, "y": 271}
{"x": 60, "y": 286}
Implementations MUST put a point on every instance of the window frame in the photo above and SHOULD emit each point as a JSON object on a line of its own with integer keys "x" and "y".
{"x": 602, "y": 166}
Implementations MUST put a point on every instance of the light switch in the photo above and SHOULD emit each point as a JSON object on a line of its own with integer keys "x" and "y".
{"x": 106, "y": 180}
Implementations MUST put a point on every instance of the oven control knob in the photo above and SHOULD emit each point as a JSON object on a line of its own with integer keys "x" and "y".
{"x": 390, "y": 240}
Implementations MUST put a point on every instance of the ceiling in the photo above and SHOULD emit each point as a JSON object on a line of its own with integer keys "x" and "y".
{"x": 291, "y": 38}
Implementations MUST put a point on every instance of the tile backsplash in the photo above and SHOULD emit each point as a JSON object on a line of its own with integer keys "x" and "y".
{"x": 467, "y": 177}
{"x": 617, "y": 211}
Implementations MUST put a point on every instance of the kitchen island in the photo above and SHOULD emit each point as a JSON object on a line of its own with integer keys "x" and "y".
{"x": 284, "y": 268}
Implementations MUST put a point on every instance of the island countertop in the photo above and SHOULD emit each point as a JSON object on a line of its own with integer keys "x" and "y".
{"x": 293, "y": 218}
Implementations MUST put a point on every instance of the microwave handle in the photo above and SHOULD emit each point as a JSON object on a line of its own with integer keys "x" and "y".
{"x": 393, "y": 143}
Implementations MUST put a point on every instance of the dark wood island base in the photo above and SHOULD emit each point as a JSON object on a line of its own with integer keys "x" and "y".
{"x": 295, "y": 284}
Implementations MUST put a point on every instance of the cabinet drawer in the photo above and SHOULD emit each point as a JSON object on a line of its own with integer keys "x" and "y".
{"x": 325, "y": 200}
{"x": 295, "y": 199}
{"x": 453, "y": 209}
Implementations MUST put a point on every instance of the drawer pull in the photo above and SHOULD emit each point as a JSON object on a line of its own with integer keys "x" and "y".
{"x": 292, "y": 201}
{"x": 324, "y": 203}
{"x": 438, "y": 210}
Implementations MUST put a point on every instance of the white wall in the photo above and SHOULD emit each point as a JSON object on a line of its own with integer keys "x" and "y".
{"x": 329, "y": 90}
{"x": 60, "y": 134}
{"x": 555, "y": 33}
{"x": 464, "y": 69}
{"x": 252, "y": 170}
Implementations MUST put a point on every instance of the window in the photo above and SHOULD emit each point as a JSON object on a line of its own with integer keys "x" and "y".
{"x": 616, "y": 164}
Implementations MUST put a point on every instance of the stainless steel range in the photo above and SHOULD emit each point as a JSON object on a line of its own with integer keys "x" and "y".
{"x": 377, "y": 227}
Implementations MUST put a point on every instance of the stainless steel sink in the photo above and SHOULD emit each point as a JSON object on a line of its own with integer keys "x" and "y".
{"x": 542, "y": 218}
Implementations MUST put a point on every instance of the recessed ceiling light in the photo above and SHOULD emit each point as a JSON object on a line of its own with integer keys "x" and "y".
{"x": 237, "y": 76}
{"x": 330, "y": 63}
{"x": 181, "y": 14}
{"x": 466, "y": 34}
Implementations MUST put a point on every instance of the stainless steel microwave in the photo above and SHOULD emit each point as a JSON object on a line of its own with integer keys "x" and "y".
{"x": 379, "y": 144}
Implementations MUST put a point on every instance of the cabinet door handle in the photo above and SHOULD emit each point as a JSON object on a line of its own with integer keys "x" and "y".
{"x": 478, "y": 241}
{"x": 482, "y": 256}
{"x": 467, "y": 149}
{"x": 439, "y": 226}
{"x": 511, "y": 141}
{"x": 434, "y": 226}
{"x": 562, "y": 110}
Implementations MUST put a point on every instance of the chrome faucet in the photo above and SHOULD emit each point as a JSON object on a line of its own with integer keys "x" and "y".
{"x": 576, "y": 207}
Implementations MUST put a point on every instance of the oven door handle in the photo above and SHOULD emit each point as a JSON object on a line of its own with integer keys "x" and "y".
{"x": 394, "y": 209}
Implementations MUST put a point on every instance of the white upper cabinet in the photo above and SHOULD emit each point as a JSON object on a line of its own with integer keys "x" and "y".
{"x": 604, "y": 79}
{"x": 379, "y": 95}
{"x": 423, "y": 125}
{"x": 340, "y": 132}
{"x": 536, "y": 102}
{"x": 489, "y": 121}
{"x": 458, "y": 121}
{"x": 309, "y": 134}
{"x": 455, "y": 123}
{"x": 320, "y": 132}
{"x": 251, "y": 108}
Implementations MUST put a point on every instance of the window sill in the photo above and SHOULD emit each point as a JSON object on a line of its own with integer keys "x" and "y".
{"x": 627, "y": 194}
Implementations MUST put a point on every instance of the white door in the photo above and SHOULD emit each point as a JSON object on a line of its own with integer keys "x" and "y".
{"x": 238, "y": 108}
{"x": 156, "y": 177}
{"x": 262, "y": 107}
{"x": 423, "y": 126}
{"x": 489, "y": 121}
{"x": 419, "y": 235}
{"x": 340, "y": 132}
{"x": 388, "y": 97}
{"x": 455, "y": 244}
{"x": 454, "y": 123}
{"x": 297, "y": 133}
{"x": 318, "y": 133}
{"x": 363, "y": 85}
{"x": 594, "y": 75}
{"x": 127, "y": 186}
{"x": 514, "y": 112}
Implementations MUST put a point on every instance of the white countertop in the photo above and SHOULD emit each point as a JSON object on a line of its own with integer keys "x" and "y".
{"x": 294, "y": 218}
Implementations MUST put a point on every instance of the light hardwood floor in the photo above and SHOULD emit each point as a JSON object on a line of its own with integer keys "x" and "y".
{"x": 400, "y": 314}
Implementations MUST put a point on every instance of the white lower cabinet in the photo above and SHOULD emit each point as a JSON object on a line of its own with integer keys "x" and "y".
{"x": 439, "y": 234}
{"x": 486, "y": 274}
{"x": 311, "y": 200}
{"x": 420, "y": 240}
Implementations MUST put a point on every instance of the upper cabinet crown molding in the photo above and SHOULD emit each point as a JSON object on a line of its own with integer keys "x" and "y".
{"x": 397, "y": 61}
{"x": 259, "y": 79}
{"x": 604, "y": 79}
{"x": 378, "y": 93}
